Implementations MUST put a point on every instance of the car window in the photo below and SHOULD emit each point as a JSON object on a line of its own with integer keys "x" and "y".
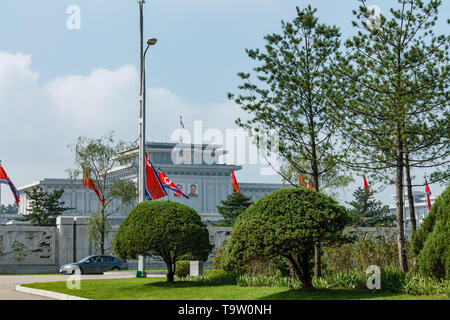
{"x": 107, "y": 259}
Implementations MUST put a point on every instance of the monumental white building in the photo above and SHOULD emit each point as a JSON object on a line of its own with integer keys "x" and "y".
{"x": 420, "y": 207}
{"x": 194, "y": 168}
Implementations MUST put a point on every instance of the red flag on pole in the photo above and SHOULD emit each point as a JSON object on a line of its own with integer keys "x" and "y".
{"x": 153, "y": 187}
{"x": 428, "y": 191}
{"x": 4, "y": 179}
{"x": 234, "y": 182}
{"x": 87, "y": 182}
{"x": 366, "y": 189}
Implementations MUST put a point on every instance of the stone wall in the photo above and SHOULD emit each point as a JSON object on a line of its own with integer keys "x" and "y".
{"x": 31, "y": 249}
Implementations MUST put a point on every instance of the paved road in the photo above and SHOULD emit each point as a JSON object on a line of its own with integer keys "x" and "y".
{"x": 8, "y": 284}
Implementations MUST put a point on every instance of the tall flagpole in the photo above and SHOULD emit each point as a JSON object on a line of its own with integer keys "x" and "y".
{"x": 1, "y": 211}
{"x": 141, "y": 174}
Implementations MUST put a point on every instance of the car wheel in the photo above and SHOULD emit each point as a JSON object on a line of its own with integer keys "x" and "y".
{"x": 115, "y": 269}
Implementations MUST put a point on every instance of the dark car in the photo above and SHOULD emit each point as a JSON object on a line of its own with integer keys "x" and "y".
{"x": 94, "y": 264}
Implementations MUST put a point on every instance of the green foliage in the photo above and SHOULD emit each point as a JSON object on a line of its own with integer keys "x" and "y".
{"x": 182, "y": 268}
{"x": 287, "y": 96}
{"x": 162, "y": 229}
{"x": 377, "y": 247}
{"x": 98, "y": 224}
{"x": 368, "y": 214}
{"x": 393, "y": 94}
{"x": 44, "y": 206}
{"x": 351, "y": 279}
{"x": 217, "y": 277}
{"x": 432, "y": 240}
{"x": 9, "y": 209}
{"x": 247, "y": 280}
{"x": 232, "y": 207}
{"x": 98, "y": 157}
{"x": 418, "y": 284}
{"x": 286, "y": 223}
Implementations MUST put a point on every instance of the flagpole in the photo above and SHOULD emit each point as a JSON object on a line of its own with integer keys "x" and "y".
{"x": 1, "y": 211}
{"x": 141, "y": 175}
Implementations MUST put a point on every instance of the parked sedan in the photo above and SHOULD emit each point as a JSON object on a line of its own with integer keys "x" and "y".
{"x": 94, "y": 264}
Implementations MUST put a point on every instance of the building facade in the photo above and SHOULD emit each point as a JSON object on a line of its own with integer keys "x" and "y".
{"x": 420, "y": 207}
{"x": 196, "y": 169}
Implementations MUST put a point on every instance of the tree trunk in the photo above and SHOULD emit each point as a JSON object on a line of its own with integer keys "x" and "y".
{"x": 317, "y": 246}
{"x": 301, "y": 268}
{"x": 306, "y": 274}
{"x": 412, "y": 213}
{"x": 170, "y": 272}
{"x": 400, "y": 206}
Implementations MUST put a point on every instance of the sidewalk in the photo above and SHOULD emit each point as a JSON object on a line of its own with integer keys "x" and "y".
{"x": 8, "y": 284}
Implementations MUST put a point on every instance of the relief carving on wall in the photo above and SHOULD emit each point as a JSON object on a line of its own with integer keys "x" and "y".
{"x": 26, "y": 246}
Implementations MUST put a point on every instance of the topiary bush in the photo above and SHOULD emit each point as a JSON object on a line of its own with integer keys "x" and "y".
{"x": 162, "y": 229}
{"x": 182, "y": 268}
{"x": 286, "y": 223}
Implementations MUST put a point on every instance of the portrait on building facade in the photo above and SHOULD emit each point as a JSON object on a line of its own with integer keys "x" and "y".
{"x": 179, "y": 186}
{"x": 193, "y": 190}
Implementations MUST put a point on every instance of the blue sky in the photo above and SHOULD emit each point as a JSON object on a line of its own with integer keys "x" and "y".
{"x": 201, "y": 46}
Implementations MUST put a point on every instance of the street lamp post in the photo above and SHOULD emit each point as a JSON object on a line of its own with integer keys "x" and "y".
{"x": 142, "y": 113}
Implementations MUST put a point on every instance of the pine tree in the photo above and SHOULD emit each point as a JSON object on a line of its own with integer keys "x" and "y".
{"x": 398, "y": 95}
{"x": 44, "y": 206}
{"x": 370, "y": 213}
{"x": 288, "y": 100}
{"x": 232, "y": 207}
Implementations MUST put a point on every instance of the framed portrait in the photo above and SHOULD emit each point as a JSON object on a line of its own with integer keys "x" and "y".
{"x": 193, "y": 190}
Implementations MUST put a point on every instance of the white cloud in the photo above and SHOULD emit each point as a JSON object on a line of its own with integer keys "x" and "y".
{"x": 39, "y": 121}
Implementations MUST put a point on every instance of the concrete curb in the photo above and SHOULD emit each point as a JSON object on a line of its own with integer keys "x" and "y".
{"x": 48, "y": 294}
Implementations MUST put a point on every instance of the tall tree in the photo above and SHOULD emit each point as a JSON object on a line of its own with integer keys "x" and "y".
{"x": 44, "y": 207}
{"x": 289, "y": 98}
{"x": 394, "y": 82}
{"x": 98, "y": 157}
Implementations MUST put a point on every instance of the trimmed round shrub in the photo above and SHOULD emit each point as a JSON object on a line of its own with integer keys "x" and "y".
{"x": 182, "y": 269}
{"x": 286, "y": 223}
{"x": 163, "y": 229}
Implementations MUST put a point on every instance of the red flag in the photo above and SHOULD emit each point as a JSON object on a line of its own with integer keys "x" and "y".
{"x": 366, "y": 189}
{"x": 4, "y": 179}
{"x": 87, "y": 182}
{"x": 153, "y": 186}
{"x": 427, "y": 189}
{"x": 167, "y": 183}
{"x": 234, "y": 182}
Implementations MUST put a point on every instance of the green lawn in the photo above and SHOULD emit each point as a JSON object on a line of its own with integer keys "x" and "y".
{"x": 158, "y": 289}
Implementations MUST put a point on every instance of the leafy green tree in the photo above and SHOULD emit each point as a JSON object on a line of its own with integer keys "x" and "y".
{"x": 393, "y": 97}
{"x": 286, "y": 223}
{"x": 232, "y": 207}
{"x": 44, "y": 206}
{"x": 165, "y": 230}
{"x": 370, "y": 213}
{"x": 98, "y": 157}
{"x": 289, "y": 102}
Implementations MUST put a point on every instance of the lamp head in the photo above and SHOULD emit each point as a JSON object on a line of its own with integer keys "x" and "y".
{"x": 151, "y": 41}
